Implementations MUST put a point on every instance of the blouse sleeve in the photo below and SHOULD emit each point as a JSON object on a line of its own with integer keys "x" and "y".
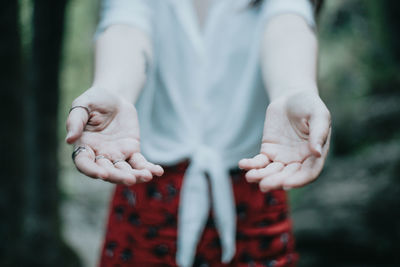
{"x": 303, "y": 8}
{"x": 136, "y": 13}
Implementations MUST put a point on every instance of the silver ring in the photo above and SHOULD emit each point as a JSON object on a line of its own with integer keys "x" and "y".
{"x": 99, "y": 157}
{"x": 117, "y": 161}
{"x": 77, "y": 150}
{"x": 85, "y": 108}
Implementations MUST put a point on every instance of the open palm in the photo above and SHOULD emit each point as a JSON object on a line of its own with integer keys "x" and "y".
{"x": 295, "y": 143}
{"x": 106, "y": 127}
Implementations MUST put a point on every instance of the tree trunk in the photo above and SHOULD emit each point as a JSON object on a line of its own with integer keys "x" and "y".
{"x": 12, "y": 135}
{"x": 43, "y": 243}
{"x": 30, "y": 229}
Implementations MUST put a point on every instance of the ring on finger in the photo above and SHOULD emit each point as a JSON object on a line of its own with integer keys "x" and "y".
{"x": 77, "y": 150}
{"x": 83, "y": 107}
{"x": 118, "y": 161}
{"x": 99, "y": 157}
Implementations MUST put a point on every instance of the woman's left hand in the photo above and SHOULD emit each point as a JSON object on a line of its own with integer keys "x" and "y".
{"x": 295, "y": 143}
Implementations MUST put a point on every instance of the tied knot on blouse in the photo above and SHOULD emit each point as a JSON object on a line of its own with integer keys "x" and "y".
{"x": 205, "y": 178}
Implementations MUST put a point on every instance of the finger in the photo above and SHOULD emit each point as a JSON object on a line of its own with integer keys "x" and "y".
{"x": 139, "y": 162}
{"x": 305, "y": 175}
{"x": 116, "y": 175}
{"x": 255, "y": 175}
{"x": 128, "y": 146}
{"x": 309, "y": 171}
{"x": 320, "y": 125}
{"x": 275, "y": 181}
{"x": 109, "y": 151}
{"x": 257, "y": 162}
{"x": 123, "y": 166}
{"x": 286, "y": 153}
{"x": 143, "y": 175}
{"x": 77, "y": 119}
{"x": 299, "y": 179}
{"x": 85, "y": 163}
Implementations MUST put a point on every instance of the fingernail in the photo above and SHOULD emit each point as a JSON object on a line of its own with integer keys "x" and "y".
{"x": 263, "y": 190}
{"x": 69, "y": 134}
{"x": 102, "y": 175}
{"x": 318, "y": 148}
{"x": 160, "y": 169}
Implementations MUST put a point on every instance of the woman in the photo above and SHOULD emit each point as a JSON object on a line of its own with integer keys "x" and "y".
{"x": 205, "y": 76}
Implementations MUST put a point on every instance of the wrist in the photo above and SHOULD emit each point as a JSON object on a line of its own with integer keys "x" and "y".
{"x": 289, "y": 91}
{"x": 115, "y": 96}
{"x": 122, "y": 93}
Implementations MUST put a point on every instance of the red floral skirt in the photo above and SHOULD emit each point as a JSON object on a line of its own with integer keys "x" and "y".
{"x": 142, "y": 226}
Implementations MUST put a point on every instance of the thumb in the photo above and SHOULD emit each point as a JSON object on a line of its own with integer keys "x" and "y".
{"x": 77, "y": 119}
{"x": 319, "y": 129}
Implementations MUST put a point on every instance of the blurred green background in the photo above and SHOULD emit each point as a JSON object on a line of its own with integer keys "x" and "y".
{"x": 53, "y": 216}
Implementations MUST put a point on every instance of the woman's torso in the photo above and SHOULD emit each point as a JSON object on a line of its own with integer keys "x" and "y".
{"x": 205, "y": 90}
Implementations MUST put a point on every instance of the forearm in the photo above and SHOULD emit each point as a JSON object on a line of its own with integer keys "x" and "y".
{"x": 122, "y": 56}
{"x": 289, "y": 56}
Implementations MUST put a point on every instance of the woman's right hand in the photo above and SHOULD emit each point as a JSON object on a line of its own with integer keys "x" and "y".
{"x": 104, "y": 129}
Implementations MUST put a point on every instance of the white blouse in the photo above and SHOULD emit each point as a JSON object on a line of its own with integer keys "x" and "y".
{"x": 204, "y": 99}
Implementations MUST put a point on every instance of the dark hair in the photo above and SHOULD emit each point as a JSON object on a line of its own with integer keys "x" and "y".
{"x": 254, "y": 3}
{"x": 317, "y": 4}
